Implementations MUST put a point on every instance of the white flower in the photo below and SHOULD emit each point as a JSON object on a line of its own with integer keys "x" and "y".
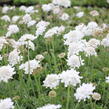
{"x": 56, "y": 10}
{"x": 54, "y": 31}
{"x": 6, "y": 73}
{"x": 70, "y": 77}
{"x": 94, "y": 13}
{"x": 107, "y": 1}
{"x": 29, "y": 66}
{"x": 2, "y": 42}
{"x": 6, "y": 18}
{"x": 31, "y": 23}
{"x": 39, "y": 57}
{"x": 27, "y": 37}
{"x": 12, "y": 29}
{"x": 107, "y": 79}
{"x": 93, "y": 43}
{"x": 64, "y": 3}
{"x": 22, "y": 8}
{"x": 64, "y": 17}
{"x": 90, "y": 51}
{"x": 15, "y": 19}
{"x": 41, "y": 27}
{"x": 51, "y": 81}
{"x": 105, "y": 41}
{"x": 84, "y": 91}
{"x": 50, "y": 106}
{"x": 6, "y": 104}
{"x": 1, "y": 57}
{"x": 29, "y": 9}
{"x": 47, "y": 7}
{"x": 14, "y": 57}
{"x": 75, "y": 61}
{"x": 5, "y": 9}
{"x": 73, "y": 36}
{"x": 80, "y": 14}
{"x": 76, "y": 47}
{"x": 26, "y": 18}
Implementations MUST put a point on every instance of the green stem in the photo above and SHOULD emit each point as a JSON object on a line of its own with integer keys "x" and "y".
{"x": 68, "y": 97}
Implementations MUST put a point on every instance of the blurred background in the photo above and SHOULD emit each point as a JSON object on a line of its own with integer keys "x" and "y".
{"x": 100, "y": 3}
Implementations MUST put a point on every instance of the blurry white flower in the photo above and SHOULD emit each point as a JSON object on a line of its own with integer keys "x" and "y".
{"x": 93, "y": 43}
{"x": 47, "y": 7}
{"x": 39, "y": 57}
{"x": 5, "y": 9}
{"x": 50, "y": 106}
{"x": 29, "y": 66}
{"x": 64, "y": 3}
{"x": 12, "y": 29}
{"x": 6, "y": 104}
{"x": 51, "y": 81}
{"x": 94, "y": 13}
{"x": 26, "y": 18}
{"x": 90, "y": 51}
{"x": 2, "y": 42}
{"x": 1, "y": 57}
{"x": 41, "y": 27}
{"x": 54, "y": 31}
{"x": 84, "y": 91}
{"x": 56, "y": 10}
{"x": 29, "y": 9}
{"x": 75, "y": 61}
{"x": 64, "y": 17}
{"x": 6, "y": 18}
{"x": 107, "y": 79}
{"x": 6, "y": 73}
{"x": 14, "y": 57}
{"x": 80, "y": 14}
{"x": 105, "y": 41}
{"x": 70, "y": 77}
{"x": 73, "y": 36}
{"x": 107, "y": 1}
{"x": 15, "y": 19}
{"x": 31, "y": 23}
{"x": 96, "y": 96}
{"x": 22, "y": 8}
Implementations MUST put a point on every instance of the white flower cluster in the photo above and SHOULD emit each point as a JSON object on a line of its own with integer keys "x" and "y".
{"x": 30, "y": 66}
{"x": 84, "y": 91}
{"x": 6, "y": 73}
{"x": 6, "y": 104}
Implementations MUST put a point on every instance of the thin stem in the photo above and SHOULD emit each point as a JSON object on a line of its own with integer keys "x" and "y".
{"x": 68, "y": 97}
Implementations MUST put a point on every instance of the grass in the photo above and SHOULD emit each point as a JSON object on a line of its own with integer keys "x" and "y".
{"x": 28, "y": 91}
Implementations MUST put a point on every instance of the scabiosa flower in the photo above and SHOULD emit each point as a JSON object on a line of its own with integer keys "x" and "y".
{"x": 64, "y": 3}
{"x": 41, "y": 27}
{"x": 3, "y": 41}
{"x": 29, "y": 66}
{"x": 1, "y": 57}
{"x": 15, "y": 19}
{"x": 6, "y": 104}
{"x": 12, "y": 29}
{"x": 70, "y": 77}
{"x": 64, "y": 17}
{"x": 26, "y": 18}
{"x": 73, "y": 36}
{"x": 39, "y": 57}
{"x": 31, "y": 23}
{"x": 14, "y": 57}
{"x": 80, "y": 14}
{"x": 96, "y": 96}
{"x": 6, "y": 73}
{"x": 51, "y": 81}
{"x": 75, "y": 61}
{"x": 50, "y": 106}
{"x": 6, "y": 18}
{"x": 5, "y": 9}
{"x": 47, "y": 7}
{"x": 94, "y": 13}
{"x": 90, "y": 51}
{"x": 93, "y": 43}
{"x": 84, "y": 91}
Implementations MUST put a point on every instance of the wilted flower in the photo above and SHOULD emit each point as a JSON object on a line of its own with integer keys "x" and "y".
{"x": 96, "y": 96}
